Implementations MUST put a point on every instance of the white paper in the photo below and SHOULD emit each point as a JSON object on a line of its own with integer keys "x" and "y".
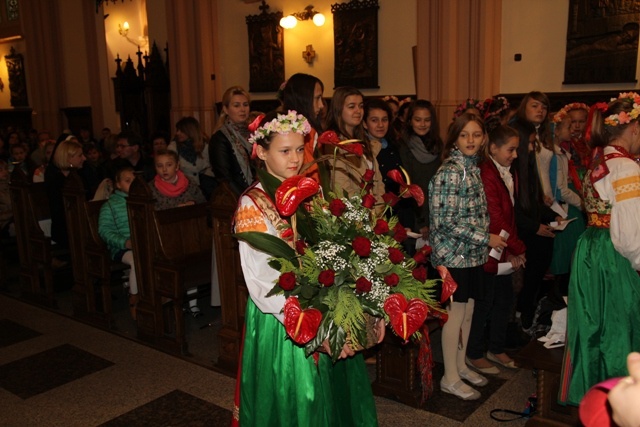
{"x": 420, "y": 242}
{"x": 413, "y": 234}
{"x": 497, "y": 252}
{"x": 558, "y": 209}
{"x": 505, "y": 268}
{"x": 561, "y": 226}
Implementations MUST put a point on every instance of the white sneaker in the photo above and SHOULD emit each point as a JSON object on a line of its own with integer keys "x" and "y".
{"x": 473, "y": 377}
{"x": 460, "y": 389}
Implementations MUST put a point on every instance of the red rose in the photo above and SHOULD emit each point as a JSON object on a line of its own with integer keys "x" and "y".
{"x": 392, "y": 279}
{"x": 395, "y": 255}
{"x": 399, "y": 233}
{"x": 420, "y": 273}
{"x": 381, "y": 227}
{"x": 337, "y": 207}
{"x": 390, "y": 199}
{"x": 301, "y": 246}
{"x": 361, "y": 246}
{"x": 368, "y": 175}
{"x": 368, "y": 201}
{"x": 420, "y": 258}
{"x": 367, "y": 186}
{"x": 363, "y": 285}
{"x": 287, "y": 281}
{"x": 326, "y": 277}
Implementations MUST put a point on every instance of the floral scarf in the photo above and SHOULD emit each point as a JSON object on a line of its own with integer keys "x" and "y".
{"x": 174, "y": 189}
{"x": 238, "y": 136}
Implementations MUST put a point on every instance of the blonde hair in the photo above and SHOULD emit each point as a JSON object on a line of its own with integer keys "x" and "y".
{"x": 226, "y": 100}
{"x": 64, "y": 152}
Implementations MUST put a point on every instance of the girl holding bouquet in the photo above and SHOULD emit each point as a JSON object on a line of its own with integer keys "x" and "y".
{"x": 278, "y": 385}
{"x": 459, "y": 237}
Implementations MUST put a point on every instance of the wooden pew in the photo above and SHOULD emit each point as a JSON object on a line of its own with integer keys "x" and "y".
{"x": 30, "y": 204}
{"x": 91, "y": 260}
{"x": 233, "y": 290}
{"x": 172, "y": 251}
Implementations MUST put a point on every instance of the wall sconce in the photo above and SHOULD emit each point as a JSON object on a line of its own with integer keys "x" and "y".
{"x": 123, "y": 29}
{"x": 308, "y": 13}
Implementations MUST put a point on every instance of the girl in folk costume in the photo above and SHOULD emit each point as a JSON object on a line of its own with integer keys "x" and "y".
{"x": 494, "y": 301}
{"x": 303, "y": 93}
{"x": 229, "y": 148}
{"x": 277, "y": 384}
{"x": 604, "y": 290}
{"x": 460, "y": 239}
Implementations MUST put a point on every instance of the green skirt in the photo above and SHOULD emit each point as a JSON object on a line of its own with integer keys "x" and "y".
{"x": 565, "y": 242}
{"x": 280, "y": 386}
{"x": 603, "y": 312}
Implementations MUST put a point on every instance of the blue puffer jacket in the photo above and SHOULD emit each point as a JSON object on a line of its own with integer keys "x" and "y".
{"x": 113, "y": 223}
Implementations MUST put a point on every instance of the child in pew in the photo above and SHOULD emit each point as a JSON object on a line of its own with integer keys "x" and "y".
{"x": 6, "y": 213}
{"x": 113, "y": 227}
{"x": 172, "y": 189}
{"x": 278, "y": 385}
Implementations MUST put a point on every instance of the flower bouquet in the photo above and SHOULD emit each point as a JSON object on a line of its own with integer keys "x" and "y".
{"x": 342, "y": 266}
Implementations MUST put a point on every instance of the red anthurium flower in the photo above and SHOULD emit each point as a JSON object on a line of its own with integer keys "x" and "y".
{"x": 294, "y": 191}
{"x": 337, "y": 207}
{"x": 406, "y": 188}
{"x": 405, "y": 317}
{"x": 399, "y": 233}
{"x": 449, "y": 285}
{"x": 361, "y": 246}
{"x": 395, "y": 255}
{"x": 381, "y": 227}
{"x": 368, "y": 201}
{"x": 350, "y": 145}
{"x": 327, "y": 277}
{"x": 392, "y": 279}
{"x": 420, "y": 273}
{"x": 287, "y": 281}
{"x": 255, "y": 124}
{"x": 390, "y": 199}
{"x": 363, "y": 285}
{"x": 368, "y": 175}
{"x": 301, "y": 325}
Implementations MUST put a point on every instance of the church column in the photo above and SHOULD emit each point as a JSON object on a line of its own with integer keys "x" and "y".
{"x": 458, "y": 52}
{"x": 193, "y": 53}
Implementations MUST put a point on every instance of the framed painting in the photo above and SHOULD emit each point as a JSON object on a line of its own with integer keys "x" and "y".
{"x": 266, "y": 50}
{"x": 355, "y": 34}
{"x": 17, "y": 79}
{"x": 602, "y": 41}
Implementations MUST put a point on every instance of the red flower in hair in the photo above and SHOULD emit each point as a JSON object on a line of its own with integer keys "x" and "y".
{"x": 350, "y": 145}
{"x": 294, "y": 191}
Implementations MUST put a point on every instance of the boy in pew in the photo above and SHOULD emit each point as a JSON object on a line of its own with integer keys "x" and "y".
{"x": 171, "y": 189}
{"x": 113, "y": 227}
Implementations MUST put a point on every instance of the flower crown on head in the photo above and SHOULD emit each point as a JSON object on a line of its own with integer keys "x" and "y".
{"x": 623, "y": 117}
{"x": 292, "y": 122}
{"x": 395, "y": 99}
{"x": 468, "y": 104}
{"x": 494, "y": 106}
{"x": 564, "y": 111}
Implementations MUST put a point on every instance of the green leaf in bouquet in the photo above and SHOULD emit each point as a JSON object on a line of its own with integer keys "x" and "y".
{"x": 373, "y": 311}
{"x": 348, "y": 313}
{"x": 412, "y": 288}
{"x": 308, "y": 292}
{"x": 337, "y": 340}
{"x": 269, "y": 182}
{"x": 276, "y": 290}
{"x": 275, "y": 263}
{"x": 321, "y": 335}
{"x": 384, "y": 268}
{"x": 267, "y": 243}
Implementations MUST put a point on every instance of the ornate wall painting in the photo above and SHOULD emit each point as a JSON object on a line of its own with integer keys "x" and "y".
{"x": 602, "y": 41}
{"x": 266, "y": 51}
{"x": 17, "y": 79}
{"x": 355, "y": 33}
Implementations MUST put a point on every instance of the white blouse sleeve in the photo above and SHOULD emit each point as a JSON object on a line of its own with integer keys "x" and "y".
{"x": 621, "y": 187}
{"x": 258, "y": 275}
{"x": 543, "y": 158}
{"x": 568, "y": 195}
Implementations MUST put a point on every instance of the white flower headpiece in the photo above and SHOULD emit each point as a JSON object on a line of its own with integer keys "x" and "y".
{"x": 292, "y": 122}
{"x": 623, "y": 118}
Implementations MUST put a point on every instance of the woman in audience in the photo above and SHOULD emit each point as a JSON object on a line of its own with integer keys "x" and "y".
{"x": 275, "y": 375}
{"x": 303, "y": 93}
{"x": 229, "y": 148}
{"x": 172, "y": 189}
{"x": 113, "y": 227}
{"x": 194, "y": 154}
{"x": 67, "y": 155}
{"x": 532, "y": 213}
{"x": 460, "y": 240}
{"x": 420, "y": 151}
{"x": 345, "y": 119}
{"x": 494, "y": 299}
{"x": 604, "y": 289}
{"x": 38, "y": 174}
